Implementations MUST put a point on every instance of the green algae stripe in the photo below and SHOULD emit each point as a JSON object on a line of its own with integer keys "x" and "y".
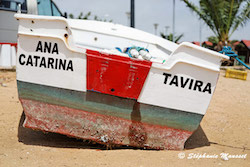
{"x": 110, "y": 105}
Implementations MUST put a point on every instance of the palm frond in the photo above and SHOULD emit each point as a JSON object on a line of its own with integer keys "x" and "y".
{"x": 242, "y": 18}
{"x": 222, "y": 16}
{"x": 177, "y": 38}
{"x": 200, "y": 12}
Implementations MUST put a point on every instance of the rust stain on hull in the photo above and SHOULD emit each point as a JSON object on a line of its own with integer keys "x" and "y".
{"x": 103, "y": 129}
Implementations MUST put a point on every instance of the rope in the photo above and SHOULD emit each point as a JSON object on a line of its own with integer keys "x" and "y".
{"x": 227, "y": 50}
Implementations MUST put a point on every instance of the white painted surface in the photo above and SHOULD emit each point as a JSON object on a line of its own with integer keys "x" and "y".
{"x": 32, "y": 7}
{"x": 73, "y": 80}
{"x": 155, "y": 92}
{"x": 185, "y": 60}
{"x": 101, "y": 35}
{"x": 47, "y": 26}
{"x": 13, "y": 56}
{"x": 96, "y": 35}
{"x": 118, "y": 32}
{"x": 189, "y": 61}
{"x": 50, "y": 29}
{"x": 5, "y": 56}
{"x": 195, "y": 55}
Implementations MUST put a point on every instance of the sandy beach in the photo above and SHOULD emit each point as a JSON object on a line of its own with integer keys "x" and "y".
{"x": 224, "y": 129}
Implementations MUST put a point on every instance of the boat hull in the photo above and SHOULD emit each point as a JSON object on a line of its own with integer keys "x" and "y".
{"x": 91, "y": 92}
{"x": 105, "y": 119}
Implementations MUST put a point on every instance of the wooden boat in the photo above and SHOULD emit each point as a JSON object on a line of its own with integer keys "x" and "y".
{"x": 72, "y": 81}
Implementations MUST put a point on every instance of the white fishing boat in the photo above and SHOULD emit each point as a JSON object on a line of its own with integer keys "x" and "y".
{"x": 74, "y": 79}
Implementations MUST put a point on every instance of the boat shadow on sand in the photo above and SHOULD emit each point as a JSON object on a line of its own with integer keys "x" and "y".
{"x": 33, "y": 137}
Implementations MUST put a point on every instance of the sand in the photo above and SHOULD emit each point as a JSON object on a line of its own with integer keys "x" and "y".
{"x": 224, "y": 129}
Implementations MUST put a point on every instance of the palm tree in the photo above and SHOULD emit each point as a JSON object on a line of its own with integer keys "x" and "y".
{"x": 87, "y": 17}
{"x": 214, "y": 40}
{"x": 170, "y": 37}
{"x": 223, "y": 17}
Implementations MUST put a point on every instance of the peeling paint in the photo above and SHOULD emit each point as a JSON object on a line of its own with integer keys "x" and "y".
{"x": 100, "y": 128}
